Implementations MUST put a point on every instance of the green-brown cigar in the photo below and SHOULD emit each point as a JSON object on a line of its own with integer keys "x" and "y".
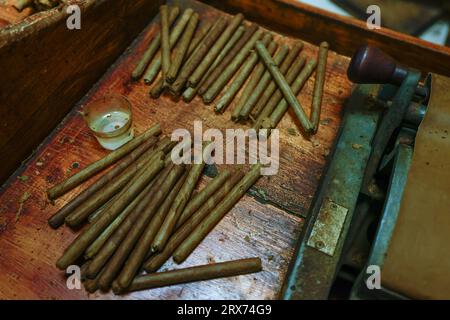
{"x": 197, "y": 75}
{"x": 262, "y": 84}
{"x": 284, "y": 87}
{"x": 157, "y": 260}
{"x": 198, "y": 273}
{"x": 201, "y": 231}
{"x": 153, "y": 69}
{"x": 82, "y": 212}
{"x": 293, "y": 72}
{"x": 190, "y": 92}
{"x": 240, "y": 45}
{"x": 282, "y": 107}
{"x": 116, "y": 239}
{"x": 319, "y": 85}
{"x": 152, "y": 48}
{"x": 142, "y": 248}
{"x": 200, "y": 53}
{"x": 165, "y": 41}
{"x": 117, "y": 260}
{"x": 177, "y": 207}
{"x": 284, "y": 68}
{"x": 252, "y": 83}
{"x": 97, "y": 213}
{"x": 58, "y": 218}
{"x": 129, "y": 192}
{"x": 101, "y": 164}
{"x": 240, "y": 79}
{"x": 230, "y": 70}
{"x": 200, "y": 198}
{"x": 182, "y": 48}
{"x": 159, "y": 87}
{"x": 22, "y": 4}
{"x": 91, "y": 285}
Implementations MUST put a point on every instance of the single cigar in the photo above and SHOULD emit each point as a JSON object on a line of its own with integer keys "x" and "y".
{"x": 182, "y": 48}
{"x": 129, "y": 192}
{"x": 58, "y": 218}
{"x": 241, "y": 78}
{"x": 177, "y": 207}
{"x": 97, "y": 213}
{"x": 192, "y": 63}
{"x": 112, "y": 243}
{"x": 153, "y": 69}
{"x": 153, "y": 47}
{"x": 272, "y": 87}
{"x": 117, "y": 260}
{"x": 91, "y": 285}
{"x": 157, "y": 260}
{"x": 190, "y": 92}
{"x": 284, "y": 87}
{"x": 101, "y": 164}
{"x": 142, "y": 248}
{"x": 241, "y": 46}
{"x": 252, "y": 83}
{"x": 197, "y": 75}
{"x": 165, "y": 41}
{"x": 82, "y": 212}
{"x": 200, "y": 198}
{"x": 159, "y": 87}
{"x": 202, "y": 230}
{"x": 22, "y": 4}
{"x": 319, "y": 85}
{"x": 198, "y": 273}
{"x": 292, "y": 74}
{"x": 228, "y": 73}
{"x": 282, "y": 107}
{"x": 262, "y": 84}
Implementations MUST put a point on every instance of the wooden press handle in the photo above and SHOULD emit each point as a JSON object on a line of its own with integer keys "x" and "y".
{"x": 371, "y": 65}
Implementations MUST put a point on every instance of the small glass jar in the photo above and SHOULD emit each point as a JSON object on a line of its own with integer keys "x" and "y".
{"x": 110, "y": 119}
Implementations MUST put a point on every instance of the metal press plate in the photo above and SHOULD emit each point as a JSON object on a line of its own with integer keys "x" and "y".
{"x": 328, "y": 227}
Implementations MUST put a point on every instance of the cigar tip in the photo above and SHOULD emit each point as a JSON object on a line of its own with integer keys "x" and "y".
{"x": 325, "y": 45}
{"x": 117, "y": 288}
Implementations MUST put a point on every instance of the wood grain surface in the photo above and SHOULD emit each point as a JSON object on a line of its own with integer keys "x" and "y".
{"x": 266, "y": 225}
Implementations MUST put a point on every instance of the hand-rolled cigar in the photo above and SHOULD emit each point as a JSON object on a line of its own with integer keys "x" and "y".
{"x": 153, "y": 69}
{"x": 58, "y": 218}
{"x": 142, "y": 248}
{"x": 101, "y": 164}
{"x": 153, "y": 47}
{"x": 284, "y": 87}
{"x": 79, "y": 215}
{"x": 202, "y": 230}
{"x": 252, "y": 83}
{"x": 112, "y": 243}
{"x": 91, "y": 285}
{"x": 192, "y": 63}
{"x": 157, "y": 260}
{"x": 177, "y": 207}
{"x": 318, "y": 85}
{"x": 243, "y": 43}
{"x": 282, "y": 107}
{"x": 197, "y": 75}
{"x": 230, "y": 70}
{"x": 198, "y": 273}
{"x": 97, "y": 213}
{"x": 129, "y": 192}
{"x": 181, "y": 50}
{"x": 262, "y": 84}
{"x": 293, "y": 72}
{"x": 200, "y": 198}
{"x": 190, "y": 92}
{"x": 284, "y": 68}
{"x": 241, "y": 78}
{"x": 165, "y": 41}
{"x": 117, "y": 260}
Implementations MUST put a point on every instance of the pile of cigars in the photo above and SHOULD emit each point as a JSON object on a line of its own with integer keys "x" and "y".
{"x": 201, "y": 58}
{"x": 142, "y": 212}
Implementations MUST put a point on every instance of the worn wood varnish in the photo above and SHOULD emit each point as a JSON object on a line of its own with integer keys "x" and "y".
{"x": 29, "y": 248}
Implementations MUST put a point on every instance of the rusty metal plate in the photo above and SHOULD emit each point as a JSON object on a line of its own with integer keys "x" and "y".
{"x": 328, "y": 227}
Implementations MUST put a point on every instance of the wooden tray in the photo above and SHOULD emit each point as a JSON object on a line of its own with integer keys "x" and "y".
{"x": 265, "y": 226}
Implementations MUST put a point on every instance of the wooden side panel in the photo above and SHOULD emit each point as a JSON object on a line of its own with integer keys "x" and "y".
{"x": 45, "y": 68}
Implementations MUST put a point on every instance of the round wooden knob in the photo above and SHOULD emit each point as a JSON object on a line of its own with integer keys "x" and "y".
{"x": 371, "y": 65}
